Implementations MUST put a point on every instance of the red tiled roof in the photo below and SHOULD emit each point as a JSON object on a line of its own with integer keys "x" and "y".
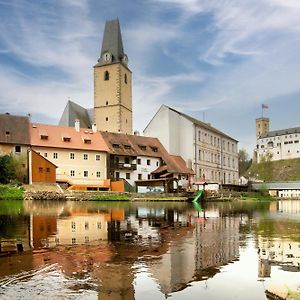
{"x": 135, "y": 145}
{"x": 55, "y": 138}
{"x": 174, "y": 164}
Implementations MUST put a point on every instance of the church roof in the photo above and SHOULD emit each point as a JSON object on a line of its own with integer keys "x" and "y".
{"x": 14, "y": 129}
{"x": 112, "y": 42}
{"x": 74, "y": 111}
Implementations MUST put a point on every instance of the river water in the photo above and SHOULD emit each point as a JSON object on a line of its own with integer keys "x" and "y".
{"x": 105, "y": 250}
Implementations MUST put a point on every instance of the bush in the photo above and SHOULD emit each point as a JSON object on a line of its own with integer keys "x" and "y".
{"x": 11, "y": 192}
{"x": 7, "y": 169}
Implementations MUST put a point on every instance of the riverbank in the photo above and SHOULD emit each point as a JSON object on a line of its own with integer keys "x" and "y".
{"x": 8, "y": 192}
{"x": 53, "y": 192}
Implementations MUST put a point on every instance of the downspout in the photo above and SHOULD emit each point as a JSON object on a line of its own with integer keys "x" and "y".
{"x": 196, "y": 164}
{"x": 29, "y": 157}
{"x": 222, "y": 175}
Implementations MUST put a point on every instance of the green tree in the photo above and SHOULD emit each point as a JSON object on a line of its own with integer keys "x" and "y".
{"x": 7, "y": 169}
{"x": 244, "y": 162}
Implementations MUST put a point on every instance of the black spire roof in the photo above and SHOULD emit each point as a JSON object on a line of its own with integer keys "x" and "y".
{"x": 112, "y": 42}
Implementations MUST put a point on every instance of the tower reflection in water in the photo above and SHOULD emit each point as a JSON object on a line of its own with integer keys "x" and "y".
{"x": 178, "y": 244}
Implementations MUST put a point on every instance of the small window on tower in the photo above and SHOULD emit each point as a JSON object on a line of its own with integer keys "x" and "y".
{"x": 106, "y": 75}
{"x": 106, "y": 118}
{"x": 106, "y": 102}
{"x": 125, "y": 78}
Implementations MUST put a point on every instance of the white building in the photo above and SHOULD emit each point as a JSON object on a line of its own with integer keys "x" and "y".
{"x": 280, "y": 144}
{"x": 207, "y": 150}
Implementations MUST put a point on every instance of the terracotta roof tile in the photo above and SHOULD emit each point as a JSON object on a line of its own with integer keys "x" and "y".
{"x": 85, "y": 139}
{"x": 144, "y": 146}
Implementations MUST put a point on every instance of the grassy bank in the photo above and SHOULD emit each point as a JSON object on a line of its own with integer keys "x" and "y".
{"x": 257, "y": 197}
{"x": 111, "y": 198}
{"x": 11, "y": 192}
{"x": 280, "y": 170}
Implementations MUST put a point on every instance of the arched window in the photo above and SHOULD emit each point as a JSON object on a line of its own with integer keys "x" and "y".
{"x": 125, "y": 78}
{"x": 106, "y": 75}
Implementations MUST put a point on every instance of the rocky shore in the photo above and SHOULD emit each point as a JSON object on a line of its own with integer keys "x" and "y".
{"x": 99, "y": 196}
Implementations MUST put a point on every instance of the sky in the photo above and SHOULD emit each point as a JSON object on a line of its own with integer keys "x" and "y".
{"x": 216, "y": 60}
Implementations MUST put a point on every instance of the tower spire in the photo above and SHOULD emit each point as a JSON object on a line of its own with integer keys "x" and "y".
{"x": 112, "y": 50}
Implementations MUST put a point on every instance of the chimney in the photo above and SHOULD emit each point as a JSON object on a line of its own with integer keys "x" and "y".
{"x": 77, "y": 125}
{"x": 94, "y": 127}
{"x": 136, "y": 133}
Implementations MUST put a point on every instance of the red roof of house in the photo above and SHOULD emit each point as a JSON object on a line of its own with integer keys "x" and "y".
{"x": 64, "y": 137}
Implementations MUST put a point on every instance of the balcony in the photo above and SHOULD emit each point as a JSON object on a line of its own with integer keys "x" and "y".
{"x": 123, "y": 166}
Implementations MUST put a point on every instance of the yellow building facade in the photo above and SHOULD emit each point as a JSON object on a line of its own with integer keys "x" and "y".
{"x": 79, "y": 154}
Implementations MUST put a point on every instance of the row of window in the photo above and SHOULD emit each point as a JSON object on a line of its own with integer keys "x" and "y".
{"x": 216, "y": 176}
{"x": 85, "y": 173}
{"x": 72, "y": 156}
{"x": 271, "y": 144}
{"x": 279, "y": 137}
{"x": 214, "y": 141}
{"x": 278, "y": 152}
{"x": 86, "y": 225}
{"x": 138, "y": 161}
{"x": 127, "y": 176}
{"x": 128, "y": 147}
{"x": 216, "y": 158}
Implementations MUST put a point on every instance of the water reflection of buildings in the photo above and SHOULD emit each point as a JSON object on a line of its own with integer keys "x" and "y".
{"x": 179, "y": 245}
{"x": 73, "y": 226}
{"x": 289, "y": 206}
{"x": 197, "y": 256}
{"x": 280, "y": 252}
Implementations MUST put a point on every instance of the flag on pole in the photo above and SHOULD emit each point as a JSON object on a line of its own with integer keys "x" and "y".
{"x": 264, "y": 106}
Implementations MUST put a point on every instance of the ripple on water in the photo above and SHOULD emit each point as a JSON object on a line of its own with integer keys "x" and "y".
{"x": 48, "y": 282}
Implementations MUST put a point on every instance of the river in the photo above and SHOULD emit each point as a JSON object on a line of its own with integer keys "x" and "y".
{"x": 110, "y": 250}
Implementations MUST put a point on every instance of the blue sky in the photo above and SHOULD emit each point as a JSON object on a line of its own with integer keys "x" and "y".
{"x": 218, "y": 60}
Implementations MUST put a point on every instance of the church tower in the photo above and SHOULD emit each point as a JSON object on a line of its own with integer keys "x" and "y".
{"x": 112, "y": 84}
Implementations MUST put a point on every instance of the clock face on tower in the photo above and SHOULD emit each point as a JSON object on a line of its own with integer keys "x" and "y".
{"x": 125, "y": 59}
{"x": 106, "y": 57}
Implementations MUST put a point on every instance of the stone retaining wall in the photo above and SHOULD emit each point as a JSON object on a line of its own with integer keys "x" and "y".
{"x": 88, "y": 195}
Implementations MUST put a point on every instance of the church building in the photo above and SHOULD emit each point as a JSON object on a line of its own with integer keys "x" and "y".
{"x": 112, "y": 110}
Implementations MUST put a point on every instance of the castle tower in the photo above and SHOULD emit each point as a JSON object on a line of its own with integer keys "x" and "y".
{"x": 262, "y": 126}
{"x": 112, "y": 84}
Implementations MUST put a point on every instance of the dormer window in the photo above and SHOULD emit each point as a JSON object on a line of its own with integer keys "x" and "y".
{"x": 44, "y": 137}
{"x": 154, "y": 149}
{"x": 116, "y": 145}
{"x": 66, "y": 139}
{"x": 127, "y": 147}
{"x": 87, "y": 141}
{"x": 143, "y": 147}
